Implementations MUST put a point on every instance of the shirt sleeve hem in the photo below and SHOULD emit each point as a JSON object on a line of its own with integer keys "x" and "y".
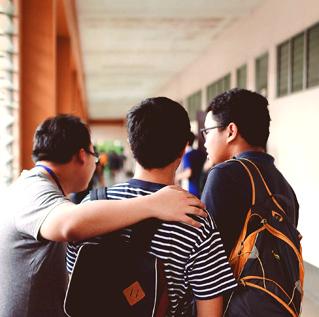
{"x": 217, "y": 294}
{"x": 37, "y": 229}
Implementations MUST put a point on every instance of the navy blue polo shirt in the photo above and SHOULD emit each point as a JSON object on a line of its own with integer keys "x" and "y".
{"x": 227, "y": 194}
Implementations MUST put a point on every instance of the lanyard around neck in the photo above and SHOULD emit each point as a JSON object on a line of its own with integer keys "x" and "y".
{"x": 53, "y": 175}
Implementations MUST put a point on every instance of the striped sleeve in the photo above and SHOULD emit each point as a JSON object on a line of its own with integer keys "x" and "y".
{"x": 71, "y": 254}
{"x": 73, "y": 248}
{"x": 209, "y": 272}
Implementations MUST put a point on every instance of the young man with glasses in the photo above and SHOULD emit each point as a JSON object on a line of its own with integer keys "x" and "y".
{"x": 97, "y": 180}
{"x": 237, "y": 126}
{"x": 38, "y": 217}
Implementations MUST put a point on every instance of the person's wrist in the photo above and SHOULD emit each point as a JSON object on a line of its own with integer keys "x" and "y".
{"x": 152, "y": 211}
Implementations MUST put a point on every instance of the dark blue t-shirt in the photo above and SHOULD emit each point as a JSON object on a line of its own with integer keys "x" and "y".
{"x": 227, "y": 194}
{"x": 194, "y": 159}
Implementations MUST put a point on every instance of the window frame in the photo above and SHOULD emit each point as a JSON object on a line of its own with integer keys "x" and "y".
{"x": 9, "y": 99}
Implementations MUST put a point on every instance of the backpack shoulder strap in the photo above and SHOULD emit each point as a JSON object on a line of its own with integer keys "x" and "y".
{"x": 98, "y": 193}
{"x": 142, "y": 233}
{"x": 265, "y": 184}
{"x": 246, "y": 163}
{"x": 251, "y": 179}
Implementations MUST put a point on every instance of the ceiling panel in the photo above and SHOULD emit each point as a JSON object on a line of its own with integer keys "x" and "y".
{"x": 133, "y": 48}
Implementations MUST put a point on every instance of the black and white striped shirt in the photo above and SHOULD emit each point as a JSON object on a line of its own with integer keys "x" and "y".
{"x": 194, "y": 259}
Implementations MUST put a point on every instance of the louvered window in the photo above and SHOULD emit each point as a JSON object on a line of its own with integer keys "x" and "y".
{"x": 211, "y": 92}
{"x": 8, "y": 94}
{"x": 283, "y": 68}
{"x": 261, "y": 74}
{"x": 297, "y": 62}
{"x": 217, "y": 87}
{"x": 194, "y": 103}
{"x": 226, "y": 83}
{"x": 241, "y": 77}
{"x": 313, "y": 57}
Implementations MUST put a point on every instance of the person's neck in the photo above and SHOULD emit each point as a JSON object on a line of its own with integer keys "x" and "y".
{"x": 237, "y": 150}
{"x": 62, "y": 172}
{"x": 163, "y": 175}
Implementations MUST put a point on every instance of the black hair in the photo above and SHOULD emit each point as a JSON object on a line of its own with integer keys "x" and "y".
{"x": 58, "y": 138}
{"x": 247, "y": 109}
{"x": 158, "y": 131}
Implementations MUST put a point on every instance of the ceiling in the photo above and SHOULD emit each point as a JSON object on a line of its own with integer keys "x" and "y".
{"x": 132, "y": 48}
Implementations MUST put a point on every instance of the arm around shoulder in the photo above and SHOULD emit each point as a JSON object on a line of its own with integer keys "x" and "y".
{"x": 69, "y": 222}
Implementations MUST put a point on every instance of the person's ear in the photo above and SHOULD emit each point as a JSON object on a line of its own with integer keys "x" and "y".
{"x": 232, "y": 132}
{"x": 80, "y": 156}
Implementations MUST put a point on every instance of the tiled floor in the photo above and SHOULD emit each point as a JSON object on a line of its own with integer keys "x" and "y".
{"x": 311, "y": 289}
{"x": 310, "y": 308}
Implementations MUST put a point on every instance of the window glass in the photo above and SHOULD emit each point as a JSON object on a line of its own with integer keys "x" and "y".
{"x": 241, "y": 77}
{"x": 313, "y": 57}
{"x": 283, "y": 68}
{"x": 261, "y": 74}
{"x": 217, "y": 87}
{"x": 194, "y": 103}
{"x": 297, "y": 62}
{"x": 8, "y": 94}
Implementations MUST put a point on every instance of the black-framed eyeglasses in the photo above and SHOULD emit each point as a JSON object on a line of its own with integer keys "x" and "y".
{"x": 205, "y": 131}
{"x": 95, "y": 154}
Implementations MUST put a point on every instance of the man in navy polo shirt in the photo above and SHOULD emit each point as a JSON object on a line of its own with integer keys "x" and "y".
{"x": 237, "y": 126}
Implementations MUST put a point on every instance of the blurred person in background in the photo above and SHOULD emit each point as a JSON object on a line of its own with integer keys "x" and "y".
{"x": 192, "y": 166}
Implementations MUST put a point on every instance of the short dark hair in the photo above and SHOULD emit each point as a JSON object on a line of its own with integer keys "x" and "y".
{"x": 247, "y": 109}
{"x": 158, "y": 131}
{"x": 58, "y": 138}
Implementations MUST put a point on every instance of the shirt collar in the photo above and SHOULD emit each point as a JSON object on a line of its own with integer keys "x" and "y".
{"x": 256, "y": 155}
{"x": 144, "y": 184}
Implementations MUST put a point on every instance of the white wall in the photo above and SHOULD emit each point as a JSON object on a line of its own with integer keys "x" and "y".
{"x": 293, "y": 140}
{"x": 294, "y": 144}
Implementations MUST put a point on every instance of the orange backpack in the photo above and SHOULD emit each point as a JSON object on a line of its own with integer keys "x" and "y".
{"x": 267, "y": 255}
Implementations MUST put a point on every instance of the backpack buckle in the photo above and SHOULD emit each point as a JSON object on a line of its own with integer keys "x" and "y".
{"x": 277, "y": 216}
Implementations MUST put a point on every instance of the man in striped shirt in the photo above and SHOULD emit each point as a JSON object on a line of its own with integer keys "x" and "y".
{"x": 194, "y": 259}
